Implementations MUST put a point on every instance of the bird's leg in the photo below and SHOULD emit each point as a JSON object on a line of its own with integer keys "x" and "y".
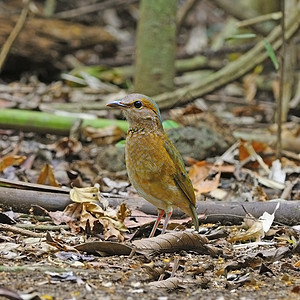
{"x": 167, "y": 218}
{"x": 159, "y": 216}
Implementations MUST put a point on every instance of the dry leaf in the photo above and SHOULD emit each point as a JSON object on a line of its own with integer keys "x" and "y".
{"x": 258, "y": 228}
{"x": 173, "y": 242}
{"x": 11, "y": 160}
{"x": 123, "y": 212}
{"x": 104, "y": 136}
{"x": 199, "y": 174}
{"x": 109, "y": 248}
{"x": 66, "y": 146}
{"x": 47, "y": 172}
{"x": 170, "y": 283}
{"x": 87, "y": 194}
{"x": 250, "y": 86}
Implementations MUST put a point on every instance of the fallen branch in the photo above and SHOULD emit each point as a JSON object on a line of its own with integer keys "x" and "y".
{"x": 42, "y": 122}
{"x": 92, "y": 8}
{"x": 233, "y": 70}
{"x": 22, "y": 231}
{"x": 223, "y": 212}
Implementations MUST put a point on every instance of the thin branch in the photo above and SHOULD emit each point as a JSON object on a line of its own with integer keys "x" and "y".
{"x": 14, "y": 34}
{"x": 259, "y": 19}
{"x": 22, "y": 231}
{"x": 92, "y": 8}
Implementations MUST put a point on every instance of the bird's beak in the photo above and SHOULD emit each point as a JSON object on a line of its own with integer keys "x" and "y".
{"x": 118, "y": 104}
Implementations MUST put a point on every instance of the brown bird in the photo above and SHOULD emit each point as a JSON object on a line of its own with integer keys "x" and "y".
{"x": 155, "y": 167}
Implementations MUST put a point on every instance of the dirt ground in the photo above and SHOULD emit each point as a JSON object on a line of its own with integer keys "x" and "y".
{"x": 39, "y": 271}
{"x": 123, "y": 278}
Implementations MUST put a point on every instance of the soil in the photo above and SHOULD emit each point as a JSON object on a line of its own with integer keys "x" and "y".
{"x": 125, "y": 278}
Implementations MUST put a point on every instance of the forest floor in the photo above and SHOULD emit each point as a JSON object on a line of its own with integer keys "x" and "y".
{"x": 71, "y": 224}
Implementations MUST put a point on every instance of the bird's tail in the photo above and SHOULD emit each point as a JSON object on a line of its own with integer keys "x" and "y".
{"x": 194, "y": 216}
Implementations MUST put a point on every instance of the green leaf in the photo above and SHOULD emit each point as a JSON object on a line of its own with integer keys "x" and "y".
{"x": 120, "y": 144}
{"x": 241, "y": 36}
{"x": 169, "y": 124}
{"x": 271, "y": 54}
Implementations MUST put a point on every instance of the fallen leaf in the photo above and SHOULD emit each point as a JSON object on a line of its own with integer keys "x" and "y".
{"x": 103, "y": 136}
{"x": 105, "y": 247}
{"x": 169, "y": 283}
{"x": 11, "y": 160}
{"x": 201, "y": 179}
{"x": 66, "y": 146}
{"x": 87, "y": 194}
{"x": 47, "y": 172}
{"x": 258, "y": 228}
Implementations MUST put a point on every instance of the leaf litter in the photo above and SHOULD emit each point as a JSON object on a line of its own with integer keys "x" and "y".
{"x": 105, "y": 238}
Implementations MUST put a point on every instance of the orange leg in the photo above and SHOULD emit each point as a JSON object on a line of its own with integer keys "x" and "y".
{"x": 160, "y": 215}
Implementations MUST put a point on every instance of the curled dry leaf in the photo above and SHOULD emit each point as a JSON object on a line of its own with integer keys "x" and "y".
{"x": 258, "y": 228}
{"x": 123, "y": 212}
{"x": 66, "y": 146}
{"x": 170, "y": 283}
{"x": 87, "y": 194}
{"x": 255, "y": 150}
{"x": 173, "y": 242}
{"x": 47, "y": 172}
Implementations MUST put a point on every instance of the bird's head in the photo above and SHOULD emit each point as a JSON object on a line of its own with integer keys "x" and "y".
{"x": 140, "y": 111}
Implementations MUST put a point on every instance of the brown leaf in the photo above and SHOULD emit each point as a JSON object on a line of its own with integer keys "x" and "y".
{"x": 47, "y": 172}
{"x": 173, "y": 242}
{"x": 70, "y": 216}
{"x": 58, "y": 244}
{"x": 66, "y": 146}
{"x": 255, "y": 232}
{"x": 11, "y": 160}
{"x": 170, "y": 283}
{"x": 123, "y": 212}
{"x": 199, "y": 174}
{"x": 104, "y": 247}
{"x": 103, "y": 136}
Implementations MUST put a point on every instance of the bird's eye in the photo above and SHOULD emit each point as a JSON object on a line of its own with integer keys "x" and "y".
{"x": 137, "y": 104}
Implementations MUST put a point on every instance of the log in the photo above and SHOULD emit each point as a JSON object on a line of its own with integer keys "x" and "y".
{"x": 21, "y": 200}
{"x": 48, "y": 40}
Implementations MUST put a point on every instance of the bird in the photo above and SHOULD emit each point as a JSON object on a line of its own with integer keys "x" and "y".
{"x": 155, "y": 167}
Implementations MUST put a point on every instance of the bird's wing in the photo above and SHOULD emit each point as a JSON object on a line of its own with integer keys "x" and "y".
{"x": 180, "y": 177}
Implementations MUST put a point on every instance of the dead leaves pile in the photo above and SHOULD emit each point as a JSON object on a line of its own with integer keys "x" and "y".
{"x": 86, "y": 214}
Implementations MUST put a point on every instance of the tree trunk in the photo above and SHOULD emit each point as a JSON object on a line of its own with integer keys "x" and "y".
{"x": 154, "y": 66}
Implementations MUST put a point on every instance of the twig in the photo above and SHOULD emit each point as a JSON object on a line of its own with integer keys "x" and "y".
{"x": 92, "y": 8}
{"x": 14, "y": 34}
{"x": 42, "y": 227}
{"x": 240, "y": 11}
{"x": 257, "y": 157}
{"x": 39, "y": 268}
{"x": 259, "y": 19}
{"x": 6, "y": 227}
